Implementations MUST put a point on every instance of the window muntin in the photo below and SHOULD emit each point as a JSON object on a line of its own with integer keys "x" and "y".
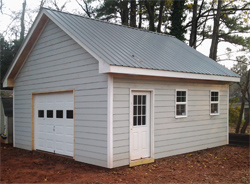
{"x": 181, "y": 103}
{"x": 214, "y": 102}
{"x": 139, "y": 110}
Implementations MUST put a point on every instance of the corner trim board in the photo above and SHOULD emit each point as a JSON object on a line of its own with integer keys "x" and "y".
{"x": 110, "y": 122}
{"x": 14, "y": 123}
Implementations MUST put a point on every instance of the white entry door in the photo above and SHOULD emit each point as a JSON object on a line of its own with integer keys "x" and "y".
{"x": 54, "y": 123}
{"x": 140, "y": 125}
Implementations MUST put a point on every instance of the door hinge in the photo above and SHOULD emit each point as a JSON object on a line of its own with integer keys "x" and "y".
{"x": 53, "y": 128}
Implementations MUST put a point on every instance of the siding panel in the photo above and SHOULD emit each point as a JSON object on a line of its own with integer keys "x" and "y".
{"x": 171, "y": 135}
{"x": 59, "y": 63}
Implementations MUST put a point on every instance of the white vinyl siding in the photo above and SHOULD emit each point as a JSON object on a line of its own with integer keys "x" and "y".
{"x": 171, "y": 135}
{"x": 59, "y": 63}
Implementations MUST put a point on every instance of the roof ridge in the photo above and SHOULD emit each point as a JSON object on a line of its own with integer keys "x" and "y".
{"x": 144, "y": 30}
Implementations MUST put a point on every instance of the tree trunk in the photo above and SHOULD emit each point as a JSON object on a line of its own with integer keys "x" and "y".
{"x": 140, "y": 13}
{"x": 124, "y": 12}
{"x": 133, "y": 13}
{"x": 247, "y": 122}
{"x": 150, "y": 5}
{"x": 42, "y": 2}
{"x": 1, "y": 6}
{"x": 241, "y": 115}
{"x": 162, "y": 3}
{"x": 22, "y": 22}
{"x": 215, "y": 36}
{"x": 193, "y": 35}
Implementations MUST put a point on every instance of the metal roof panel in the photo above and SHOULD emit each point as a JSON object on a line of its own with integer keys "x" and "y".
{"x": 124, "y": 46}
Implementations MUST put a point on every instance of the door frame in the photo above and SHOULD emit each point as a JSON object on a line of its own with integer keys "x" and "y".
{"x": 151, "y": 158}
{"x": 33, "y": 128}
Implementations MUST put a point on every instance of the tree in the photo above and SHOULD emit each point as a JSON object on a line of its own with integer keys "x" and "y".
{"x": 23, "y": 21}
{"x": 113, "y": 9}
{"x": 150, "y": 5}
{"x": 244, "y": 86}
{"x": 177, "y": 17}
{"x": 247, "y": 98}
{"x": 133, "y": 13}
{"x": 56, "y": 5}
{"x": 215, "y": 35}
{"x": 1, "y": 6}
{"x": 86, "y": 7}
{"x": 8, "y": 51}
{"x": 140, "y": 13}
{"x": 162, "y": 3}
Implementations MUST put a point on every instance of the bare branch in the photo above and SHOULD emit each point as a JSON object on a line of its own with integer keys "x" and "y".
{"x": 85, "y": 8}
{"x": 1, "y": 6}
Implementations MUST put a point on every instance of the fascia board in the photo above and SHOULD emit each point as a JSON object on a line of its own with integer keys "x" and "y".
{"x": 161, "y": 73}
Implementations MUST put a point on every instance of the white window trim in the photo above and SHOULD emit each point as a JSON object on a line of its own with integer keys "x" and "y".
{"x": 178, "y": 103}
{"x": 218, "y": 102}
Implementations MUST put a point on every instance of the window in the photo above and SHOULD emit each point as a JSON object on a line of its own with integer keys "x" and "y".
{"x": 59, "y": 114}
{"x": 69, "y": 114}
{"x": 139, "y": 110}
{"x": 181, "y": 103}
{"x": 41, "y": 113}
{"x": 214, "y": 103}
{"x": 49, "y": 113}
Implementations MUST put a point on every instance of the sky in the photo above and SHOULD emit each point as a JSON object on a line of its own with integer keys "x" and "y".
{"x": 16, "y": 5}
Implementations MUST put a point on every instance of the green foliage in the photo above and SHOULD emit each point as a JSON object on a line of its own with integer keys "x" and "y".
{"x": 234, "y": 100}
{"x": 177, "y": 18}
{"x": 8, "y": 52}
{"x": 108, "y": 10}
{"x": 234, "y": 114}
{"x": 113, "y": 9}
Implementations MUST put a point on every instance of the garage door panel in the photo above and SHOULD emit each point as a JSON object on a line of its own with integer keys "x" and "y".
{"x": 41, "y": 143}
{"x": 69, "y": 131}
{"x": 41, "y": 129}
{"x": 59, "y": 130}
{"x": 53, "y": 130}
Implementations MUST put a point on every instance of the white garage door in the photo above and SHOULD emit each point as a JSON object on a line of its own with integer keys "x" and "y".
{"x": 54, "y": 123}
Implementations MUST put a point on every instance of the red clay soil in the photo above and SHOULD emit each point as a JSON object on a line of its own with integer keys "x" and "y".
{"x": 224, "y": 164}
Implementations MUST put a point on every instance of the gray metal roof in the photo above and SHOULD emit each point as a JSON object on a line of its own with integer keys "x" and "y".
{"x": 124, "y": 46}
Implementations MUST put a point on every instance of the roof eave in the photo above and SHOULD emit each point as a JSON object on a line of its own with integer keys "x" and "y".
{"x": 25, "y": 49}
{"x": 162, "y": 73}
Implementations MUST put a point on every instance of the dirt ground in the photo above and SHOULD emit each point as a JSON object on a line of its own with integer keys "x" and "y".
{"x": 226, "y": 164}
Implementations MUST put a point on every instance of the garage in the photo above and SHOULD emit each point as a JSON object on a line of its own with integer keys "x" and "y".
{"x": 54, "y": 122}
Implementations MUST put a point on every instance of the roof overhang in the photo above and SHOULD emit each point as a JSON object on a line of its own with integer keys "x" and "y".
{"x": 25, "y": 49}
{"x": 105, "y": 68}
{"x": 36, "y": 30}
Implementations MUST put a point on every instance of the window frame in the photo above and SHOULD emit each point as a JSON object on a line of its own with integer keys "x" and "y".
{"x": 214, "y": 102}
{"x": 181, "y": 103}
